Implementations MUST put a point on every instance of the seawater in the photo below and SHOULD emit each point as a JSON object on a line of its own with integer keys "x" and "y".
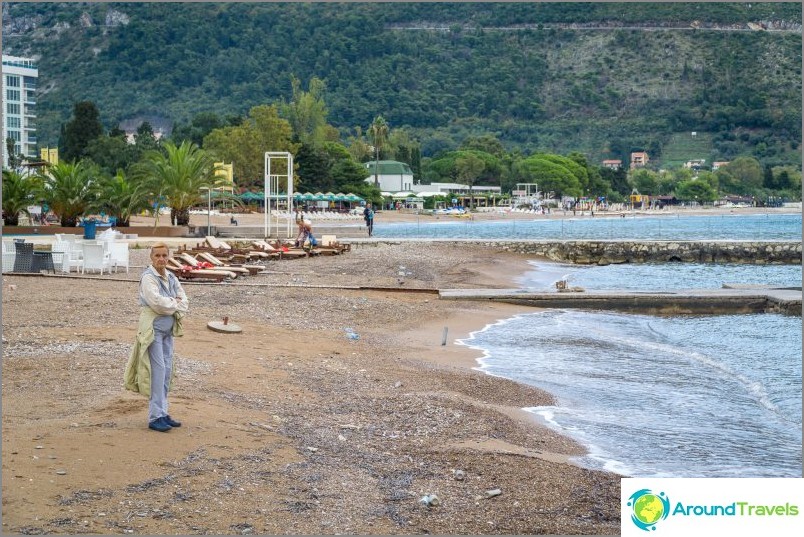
{"x": 691, "y": 396}
{"x": 658, "y": 276}
{"x": 667, "y": 227}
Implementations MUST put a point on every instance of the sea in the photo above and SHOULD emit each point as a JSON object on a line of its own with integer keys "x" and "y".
{"x": 655, "y": 396}
{"x": 674, "y": 226}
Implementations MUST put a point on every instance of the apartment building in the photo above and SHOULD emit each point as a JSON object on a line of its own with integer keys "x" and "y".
{"x": 639, "y": 159}
{"x": 19, "y": 104}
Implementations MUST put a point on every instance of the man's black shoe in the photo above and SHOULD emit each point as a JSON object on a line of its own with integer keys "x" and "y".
{"x": 160, "y": 425}
{"x": 170, "y": 421}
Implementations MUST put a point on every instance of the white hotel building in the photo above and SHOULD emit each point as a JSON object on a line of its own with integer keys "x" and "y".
{"x": 19, "y": 102}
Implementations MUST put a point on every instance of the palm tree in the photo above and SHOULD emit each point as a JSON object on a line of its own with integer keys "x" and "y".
{"x": 19, "y": 191}
{"x": 67, "y": 187}
{"x": 120, "y": 197}
{"x": 178, "y": 174}
{"x": 379, "y": 133}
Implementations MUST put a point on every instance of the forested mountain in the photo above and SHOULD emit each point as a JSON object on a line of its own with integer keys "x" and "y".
{"x": 600, "y": 78}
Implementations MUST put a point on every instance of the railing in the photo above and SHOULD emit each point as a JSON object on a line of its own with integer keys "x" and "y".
{"x": 27, "y": 64}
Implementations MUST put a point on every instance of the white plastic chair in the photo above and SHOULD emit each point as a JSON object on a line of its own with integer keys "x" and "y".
{"x": 61, "y": 255}
{"x": 96, "y": 258}
{"x": 118, "y": 252}
{"x": 9, "y": 255}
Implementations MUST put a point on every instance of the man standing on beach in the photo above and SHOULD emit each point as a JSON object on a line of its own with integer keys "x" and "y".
{"x": 368, "y": 216}
{"x": 149, "y": 370}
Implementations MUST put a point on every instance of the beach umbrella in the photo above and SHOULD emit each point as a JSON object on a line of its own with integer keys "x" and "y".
{"x": 353, "y": 197}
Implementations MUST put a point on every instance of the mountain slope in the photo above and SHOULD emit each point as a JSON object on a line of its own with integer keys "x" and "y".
{"x": 560, "y": 77}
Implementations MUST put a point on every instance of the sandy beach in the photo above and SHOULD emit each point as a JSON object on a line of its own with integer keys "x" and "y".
{"x": 289, "y": 427}
{"x": 490, "y": 214}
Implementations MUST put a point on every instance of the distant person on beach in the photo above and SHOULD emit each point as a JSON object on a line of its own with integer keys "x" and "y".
{"x": 368, "y": 216}
{"x": 149, "y": 370}
{"x": 233, "y": 220}
{"x": 300, "y": 218}
{"x": 307, "y": 233}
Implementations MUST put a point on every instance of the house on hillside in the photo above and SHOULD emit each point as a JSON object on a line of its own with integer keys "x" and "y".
{"x": 613, "y": 164}
{"x": 639, "y": 159}
{"x": 694, "y": 165}
{"x": 162, "y": 127}
{"x": 392, "y": 176}
{"x": 719, "y": 164}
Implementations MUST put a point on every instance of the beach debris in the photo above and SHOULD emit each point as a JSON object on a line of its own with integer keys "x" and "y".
{"x": 351, "y": 334}
{"x": 341, "y": 438}
{"x": 398, "y": 384}
{"x": 459, "y": 475}
{"x": 61, "y": 472}
{"x": 430, "y": 500}
{"x": 492, "y": 493}
{"x": 312, "y": 449}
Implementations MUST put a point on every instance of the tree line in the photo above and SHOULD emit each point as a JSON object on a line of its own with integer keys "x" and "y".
{"x": 103, "y": 171}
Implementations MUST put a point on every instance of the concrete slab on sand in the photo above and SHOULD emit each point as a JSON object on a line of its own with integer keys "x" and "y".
{"x": 711, "y": 301}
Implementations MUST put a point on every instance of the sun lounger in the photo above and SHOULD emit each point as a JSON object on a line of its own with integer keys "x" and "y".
{"x": 193, "y": 262}
{"x": 218, "y": 244}
{"x": 185, "y": 272}
{"x": 284, "y": 251}
{"x": 331, "y": 241}
{"x": 208, "y": 257}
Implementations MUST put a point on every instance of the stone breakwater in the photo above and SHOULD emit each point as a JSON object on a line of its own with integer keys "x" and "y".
{"x": 612, "y": 252}
{"x": 606, "y": 252}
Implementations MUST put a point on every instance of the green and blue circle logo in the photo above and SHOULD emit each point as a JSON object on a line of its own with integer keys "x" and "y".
{"x": 648, "y": 508}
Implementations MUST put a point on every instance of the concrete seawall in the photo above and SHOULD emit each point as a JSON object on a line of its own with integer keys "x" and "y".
{"x": 693, "y": 301}
{"x": 606, "y": 252}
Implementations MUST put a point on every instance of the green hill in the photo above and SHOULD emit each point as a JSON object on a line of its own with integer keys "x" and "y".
{"x": 683, "y": 146}
{"x": 601, "y": 78}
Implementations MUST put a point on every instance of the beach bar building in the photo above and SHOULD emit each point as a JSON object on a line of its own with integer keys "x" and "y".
{"x": 392, "y": 175}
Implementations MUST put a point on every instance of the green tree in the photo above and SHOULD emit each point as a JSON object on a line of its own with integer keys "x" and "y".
{"x": 695, "y": 190}
{"x": 469, "y": 168}
{"x": 378, "y": 131}
{"x": 645, "y": 181}
{"x": 111, "y": 153}
{"x": 180, "y": 175}
{"x": 312, "y": 169}
{"x": 80, "y": 130}
{"x": 201, "y": 125}
{"x": 617, "y": 179}
{"x": 488, "y": 143}
{"x": 245, "y": 145}
{"x": 14, "y": 158}
{"x": 358, "y": 148}
{"x": 145, "y": 139}
{"x": 68, "y": 189}
{"x": 19, "y": 192}
{"x": 306, "y": 112}
{"x": 119, "y": 197}
{"x": 550, "y": 176}
{"x": 747, "y": 173}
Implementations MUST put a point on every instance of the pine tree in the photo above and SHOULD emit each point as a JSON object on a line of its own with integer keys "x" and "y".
{"x": 80, "y": 130}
